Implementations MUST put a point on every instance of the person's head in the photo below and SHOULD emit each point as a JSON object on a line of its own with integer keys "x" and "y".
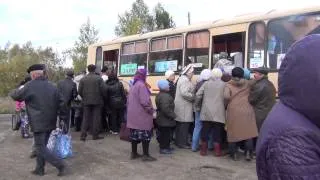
{"x": 205, "y": 75}
{"x": 112, "y": 77}
{"x": 104, "y": 70}
{"x": 91, "y": 68}
{"x": 260, "y": 73}
{"x": 299, "y": 78}
{"x": 247, "y": 73}
{"x": 36, "y": 70}
{"x": 70, "y": 74}
{"x": 170, "y": 75}
{"x": 237, "y": 72}
{"x": 188, "y": 71}
{"x": 141, "y": 75}
{"x": 163, "y": 85}
{"x": 216, "y": 73}
{"x": 223, "y": 55}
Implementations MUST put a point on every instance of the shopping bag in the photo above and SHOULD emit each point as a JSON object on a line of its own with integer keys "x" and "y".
{"x": 124, "y": 132}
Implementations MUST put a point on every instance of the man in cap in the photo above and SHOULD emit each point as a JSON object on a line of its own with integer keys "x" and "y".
{"x": 68, "y": 89}
{"x": 43, "y": 102}
{"x": 262, "y": 95}
{"x": 92, "y": 91}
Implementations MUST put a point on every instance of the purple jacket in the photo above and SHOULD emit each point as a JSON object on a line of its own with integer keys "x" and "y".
{"x": 139, "y": 107}
{"x": 289, "y": 142}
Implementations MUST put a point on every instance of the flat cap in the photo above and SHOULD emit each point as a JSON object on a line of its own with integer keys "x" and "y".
{"x": 36, "y": 67}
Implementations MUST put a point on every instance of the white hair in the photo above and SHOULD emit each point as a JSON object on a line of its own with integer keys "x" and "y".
{"x": 169, "y": 73}
{"x": 216, "y": 73}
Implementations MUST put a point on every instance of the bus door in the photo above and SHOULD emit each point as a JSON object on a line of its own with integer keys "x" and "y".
{"x": 111, "y": 57}
{"x": 229, "y": 42}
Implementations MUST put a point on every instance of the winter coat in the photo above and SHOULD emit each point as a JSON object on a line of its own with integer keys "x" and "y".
{"x": 241, "y": 122}
{"x": 139, "y": 107}
{"x": 116, "y": 95}
{"x": 43, "y": 101}
{"x": 198, "y": 102}
{"x": 172, "y": 89}
{"x": 68, "y": 89}
{"x": 165, "y": 110}
{"x": 184, "y": 99}
{"x": 288, "y": 146}
{"x": 262, "y": 97}
{"x": 210, "y": 98}
{"x": 92, "y": 89}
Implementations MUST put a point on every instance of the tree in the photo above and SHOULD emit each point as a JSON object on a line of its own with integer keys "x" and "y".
{"x": 79, "y": 53}
{"x": 162, "y": 18}
{"x": 137, "y": 20}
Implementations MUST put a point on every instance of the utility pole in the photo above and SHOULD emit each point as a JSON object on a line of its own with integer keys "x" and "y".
{"x": 189, "y": 18}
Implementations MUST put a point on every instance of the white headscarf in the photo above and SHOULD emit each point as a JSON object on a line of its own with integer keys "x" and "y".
{"x": 216, "y": 73}
{"x": 168, "y": 74}
{"x": 205, "y": 75}
{"x": 187, "y": 69}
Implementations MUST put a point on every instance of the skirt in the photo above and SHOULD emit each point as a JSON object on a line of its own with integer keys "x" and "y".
{"x": 140, "y": 135}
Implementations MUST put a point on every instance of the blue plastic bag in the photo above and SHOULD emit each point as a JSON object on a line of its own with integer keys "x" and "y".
{"x": 60, "y": 144}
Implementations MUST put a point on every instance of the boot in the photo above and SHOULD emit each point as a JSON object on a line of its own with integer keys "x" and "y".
{"x": 203, "y": 148}
{"x": 248, "y": 156}
{"x": 217, "y": 149}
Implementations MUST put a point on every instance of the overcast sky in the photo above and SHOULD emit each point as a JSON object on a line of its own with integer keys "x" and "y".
{"x": 56, "y": 23}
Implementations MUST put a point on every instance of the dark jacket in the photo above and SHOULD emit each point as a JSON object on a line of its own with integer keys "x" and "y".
{"x": 262, "y": 97}
{"x": 92, "y": 89}
{"x": 116, "y": 95}
{"x": 172, "y": 89}
{"x": 289, "y": 141}
{"x": 68, "y": 89}
{"x": 43, "y": 102}
{"x": 165, "y": 110}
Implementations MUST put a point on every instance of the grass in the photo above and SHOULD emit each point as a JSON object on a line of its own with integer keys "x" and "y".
{"x": 7, "y": 105}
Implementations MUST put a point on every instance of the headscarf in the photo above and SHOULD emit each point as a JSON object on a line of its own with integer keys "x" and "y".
{"x": 246, "y": 74}
{"x": 216, "y": 73}
{"x": 141, "y": 75}
{"x": 169, "y": 73}
{"x": 205, "y": 75}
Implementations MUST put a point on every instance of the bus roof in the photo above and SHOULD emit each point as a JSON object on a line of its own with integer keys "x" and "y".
{"x": 244, "y": 18}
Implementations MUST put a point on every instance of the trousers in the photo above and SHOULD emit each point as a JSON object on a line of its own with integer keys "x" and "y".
{"x": 43, "y": 154}
{"x": 92, "y": 118}
{"x": 182, "y": 132}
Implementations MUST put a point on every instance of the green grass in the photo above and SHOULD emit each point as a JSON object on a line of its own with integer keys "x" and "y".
{"x": 7, "y": 105}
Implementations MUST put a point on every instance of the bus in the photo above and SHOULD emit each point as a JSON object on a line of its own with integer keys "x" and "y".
{"x": 254, "y": 40}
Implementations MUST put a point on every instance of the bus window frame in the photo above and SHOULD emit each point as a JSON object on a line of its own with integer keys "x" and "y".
{"x": 166, "y": 50}
{"x": 186, "y": 45}
{"x": 121, "y": 54}
{"x": 265, "y": 43}
{"x": 281, "y": 18}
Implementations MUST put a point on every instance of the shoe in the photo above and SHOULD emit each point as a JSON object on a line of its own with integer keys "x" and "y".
{"x": 97, "y": 138}
{"x": 114, "y": 133}
{"x": 217, "y": 149}
{"x": 203, "y": 148}
{"x": 63, "y": 171}
{"x": 148, "y": 158}
{"x": 135, "y": 156}
{"x": 33, "y": 155}
{"x": 166, "y": 151}
{"x": 37, "y": 172}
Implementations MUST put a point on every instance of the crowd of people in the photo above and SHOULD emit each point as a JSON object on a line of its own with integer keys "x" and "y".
{"x": 222, "y": 112}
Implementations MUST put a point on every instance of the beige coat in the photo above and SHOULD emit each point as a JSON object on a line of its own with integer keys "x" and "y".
{"x": 212, "y": 98}
{"x": 241, "y": 123}
{"x": 184, "y": 100}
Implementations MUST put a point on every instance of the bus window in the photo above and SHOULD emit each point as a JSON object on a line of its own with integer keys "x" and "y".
{"x": 197, "y": 51}
{"x": 133, "y": 57}
{"x": 282, "y": 33}
{"x": 257, "y": 34}
{"x": 166, "y": 54}
{"x": 99, "y": 61}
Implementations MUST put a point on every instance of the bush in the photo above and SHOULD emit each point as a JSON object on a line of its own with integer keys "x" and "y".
{"x": 7, "y": 105}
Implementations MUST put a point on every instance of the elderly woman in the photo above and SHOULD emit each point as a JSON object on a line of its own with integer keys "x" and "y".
{"x": 211, "y": 99}
{"x": 241, "y": 123}
{"x": 140, "y": 115}
{"x": 184, "y": 106}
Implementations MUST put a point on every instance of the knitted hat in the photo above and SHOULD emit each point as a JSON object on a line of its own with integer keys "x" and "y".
{"x": 163, "y": 85}
{"x": 169, "y": 73}
{"x": 237, "y": 72}
{"x": 246, "y": 73}
{"x": 216, "y": 73}
{"x": 205, "y": 74}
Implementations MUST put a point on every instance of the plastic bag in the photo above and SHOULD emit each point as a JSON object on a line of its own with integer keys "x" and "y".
{"x": 60, "y": 144}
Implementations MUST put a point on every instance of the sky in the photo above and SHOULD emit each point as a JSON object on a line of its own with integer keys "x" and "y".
{"x": 56, "y": 23}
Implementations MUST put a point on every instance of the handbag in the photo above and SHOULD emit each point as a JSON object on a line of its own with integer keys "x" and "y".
{"x": 60, "y": 143}
{"x": 124, "y": 132}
